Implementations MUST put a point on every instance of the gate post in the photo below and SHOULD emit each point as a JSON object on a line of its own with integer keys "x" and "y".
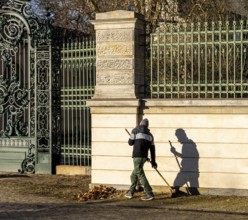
{"x": 47, "y": 126}
{"x": 120, "y": 44}
{"x": 120, "y": 55}
{"x": 43, "y": 126}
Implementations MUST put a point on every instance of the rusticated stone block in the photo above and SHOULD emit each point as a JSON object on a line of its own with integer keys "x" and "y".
{"x": 112, "y": 64}
{"x": 114, "y": 78}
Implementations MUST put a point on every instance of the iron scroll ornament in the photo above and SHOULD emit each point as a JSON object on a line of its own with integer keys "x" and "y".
{"x": 28, "y": 164}
{"x": 13, "y": 101}
{"x": 11, "y": 31}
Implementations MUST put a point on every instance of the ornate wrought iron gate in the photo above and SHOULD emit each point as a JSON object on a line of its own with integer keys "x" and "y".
{"x": 28, "y": 88}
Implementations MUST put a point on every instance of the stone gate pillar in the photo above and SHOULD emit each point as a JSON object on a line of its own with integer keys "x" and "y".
{"x": 120, "y": 44}
{"x": 120, "y": 55}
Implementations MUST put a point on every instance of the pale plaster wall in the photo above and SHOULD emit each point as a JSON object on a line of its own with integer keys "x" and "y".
{"x": 218, "y": 129}
{"x": 111, "y": 162}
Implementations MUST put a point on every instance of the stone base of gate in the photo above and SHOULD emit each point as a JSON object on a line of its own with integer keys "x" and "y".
{"x": 73, "y": 170}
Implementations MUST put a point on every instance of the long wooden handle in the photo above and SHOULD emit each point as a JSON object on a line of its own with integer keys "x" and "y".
{"x": 127, "y": 132}
{"x": 164, "y": 180}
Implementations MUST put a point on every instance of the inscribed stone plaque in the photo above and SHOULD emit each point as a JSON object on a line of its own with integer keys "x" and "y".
{"x": 115, "y": 35}
{"x": 114, "y": 49}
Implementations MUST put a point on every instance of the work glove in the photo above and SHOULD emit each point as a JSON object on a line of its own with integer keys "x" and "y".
{"x": 154, "y": 165}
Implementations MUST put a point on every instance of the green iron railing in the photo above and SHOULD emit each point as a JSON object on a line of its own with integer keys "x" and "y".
{"x": 78, "y": 82}
{"x": 200, "y": 61}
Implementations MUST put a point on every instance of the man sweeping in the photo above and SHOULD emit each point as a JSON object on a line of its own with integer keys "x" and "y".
{"x": 142, "y": 141}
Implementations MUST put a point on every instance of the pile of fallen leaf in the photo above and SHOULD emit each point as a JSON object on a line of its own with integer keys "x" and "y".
{"x": 98, "y": 192}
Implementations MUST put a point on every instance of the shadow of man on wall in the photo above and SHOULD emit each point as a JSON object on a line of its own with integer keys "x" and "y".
{"x": 189, "y": 166}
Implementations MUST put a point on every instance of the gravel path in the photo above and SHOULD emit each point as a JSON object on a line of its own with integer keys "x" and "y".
{"x": 34, "y": 197}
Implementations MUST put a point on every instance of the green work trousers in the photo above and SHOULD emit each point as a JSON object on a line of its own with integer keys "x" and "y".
{"x": 139, "y": 174}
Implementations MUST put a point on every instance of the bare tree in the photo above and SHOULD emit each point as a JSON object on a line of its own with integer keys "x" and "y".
{"x": 76, "y": 14}
{"x": 205, "y": 10}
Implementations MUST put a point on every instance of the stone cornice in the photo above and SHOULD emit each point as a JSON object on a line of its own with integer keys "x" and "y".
{"x": 199, "y": 103}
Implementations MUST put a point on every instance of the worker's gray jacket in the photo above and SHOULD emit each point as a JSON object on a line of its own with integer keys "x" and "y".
{"x": 142, "y": 140}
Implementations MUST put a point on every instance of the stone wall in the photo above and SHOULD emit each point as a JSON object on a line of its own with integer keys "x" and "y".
{"x": 218, "y": 129}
